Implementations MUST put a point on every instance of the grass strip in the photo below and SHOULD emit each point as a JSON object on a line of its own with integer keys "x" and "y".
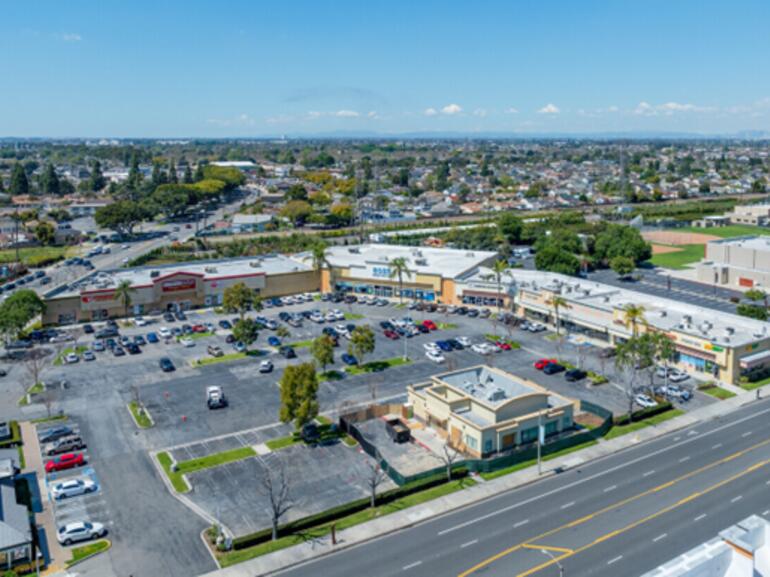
{"x": 283, "y": 442}
{"x": 140, "y": 414}
{"x": 353, "y": 316}
{"x": 50, "y": 419}
{"x": 35, "y": 389}
{"x": 718, "y": 392}
{"x": 377, "y": 366}
{"x": 233, "y": 557}
{"x": 446, "y": 326}
{"x": 301, "y": 344}
{"x": 78, "y": 350}
{"x": 85, "y": 551}
{"x": 619, "y": 431}
{"x": 177, "y": 481}
{"x": 488, "y": 476}
{"x": 227, "y": 358}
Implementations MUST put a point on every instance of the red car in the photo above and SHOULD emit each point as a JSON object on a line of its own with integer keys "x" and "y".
{"x": 540, "y": 365}
{"x": 392, "y": 335}
{"x": 503, "y": 346}
{"x": 198, "y": 329}
{"x": 430, "y": 325}
{"x": 65, "y": 461}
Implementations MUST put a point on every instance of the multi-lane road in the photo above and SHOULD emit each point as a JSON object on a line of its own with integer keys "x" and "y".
{"x": 622, "y": 515}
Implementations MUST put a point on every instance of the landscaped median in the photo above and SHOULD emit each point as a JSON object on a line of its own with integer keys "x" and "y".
{"x": 140, "y": 415}
{"x": 35, "y": 389}
{"x": 750, "y": 386}
{"x": 86, "y": 551}
{"x": 716, "y": 391}
{"x": 498, "y": 339}
{"x": 343, "y": 517}
{"x": 78, "y": 350}
{"x": 176, "y": 471}
{"x": 227, "y": 358}
{"x": 377, "y": 366}
{"x": 327, "y": 432}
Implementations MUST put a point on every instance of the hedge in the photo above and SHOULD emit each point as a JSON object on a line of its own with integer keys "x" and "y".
{"x": 341, "y": 511}
{"x": 642, "y": 414}
{"x": 15, "y": 436}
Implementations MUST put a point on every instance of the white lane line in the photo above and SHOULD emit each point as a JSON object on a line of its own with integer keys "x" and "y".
{"x": 683, "y": 459}
{"x": 589, "y": 478}
{"x": 610, "y": 488}
{"x": 717, "y": 446}
{"x": 411, "y": 565}
{"x": 736, "y": 499}
{"x": 746, "y": 434}
{"x": 700, "y": 517}
{"x": 659, "y": 537}
{"x": 566, "y": 505}
{"x": 520, "y": 523}
{"x": 648, "y": 473}
{"x": 615, "y": 560}
{"x": 676, "y": 439}
{"x": 469, "y": 543}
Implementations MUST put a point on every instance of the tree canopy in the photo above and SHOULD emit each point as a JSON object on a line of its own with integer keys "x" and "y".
{"x": 299, "y": 394}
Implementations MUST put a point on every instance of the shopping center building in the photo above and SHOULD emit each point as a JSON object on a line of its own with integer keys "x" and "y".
{"x": 483, "y": 410}
{"x": 180, "y": 286}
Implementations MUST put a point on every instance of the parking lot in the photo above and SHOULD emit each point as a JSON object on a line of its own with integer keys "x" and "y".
{"x": 99, "y": 391}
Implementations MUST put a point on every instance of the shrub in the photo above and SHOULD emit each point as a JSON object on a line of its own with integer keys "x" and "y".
{"x": 642, "y": 414}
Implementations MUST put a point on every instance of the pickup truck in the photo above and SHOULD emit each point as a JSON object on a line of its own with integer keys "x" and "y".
{"x": 215, "y": 397}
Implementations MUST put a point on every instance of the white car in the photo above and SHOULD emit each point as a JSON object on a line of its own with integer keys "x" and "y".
{"x": 89, "y": 356}
{"x": 431, "y": 348}
{"x": 338, "y": 315}
{"x": 185, "y": 342}
{"x": 61, "y": 338}
{"x": 341, "y": 329}
{"x": 71, "y": 358}
{"x": 435, "y": 356}
{"x": 80, "y": 531}
{"x": 480, "y": 348}
{"x": 331, "y": 317}
{"x": 124, "y": 246}
{"x": 317, "y": 318}
{"x": 140, "y": 321}
{"x": 536, "y": 327}
{"x": 72, "y": 488}
{"x": 464, "y": 341}
{"x": 644, "y": 401}
{"x": 164, "y": 332}
{"x": 677, "y": 376}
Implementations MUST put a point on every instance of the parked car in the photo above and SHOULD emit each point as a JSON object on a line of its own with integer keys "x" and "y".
{"x": 72, "y": 488}
{"x": 225, "y": 324}
{"x": 574, "y": 375}
{"x": 273, "y": 341}
{"x": 152, "y": 338}
{"x": 118, "y": 351}
{"x": 435, "y": 357}
{"x": 166, "y": 365}
{"x": 266, "y": 367}
{"x": 480, "y": 348}
{"x": 80, "y": 531}
{"x": 553, "y": 368}
{"x": 139, "y": 340}
{"x": 54, "y": 433}
{"x": 536, "y": 327}
{"x": 107, "y": 332}
{"x": 215, "y": 350}
{"x": 71, "y": 358}
{"x": 444, "y": 346}
{"x": 455, "y": 344}
{"x": 89, "y": 356}
{"x": 541, "y": 364}
{"x": 677, "y": 376}
{"x": 391, "y": 334}
{"x": 287, "y": 352}
{"x": 215, "y": 397}
{"x": 187, "y": 342}
{"x": 64, "y": 445}
{"x": 239, "y": 347}
{"x": 133, "y": 349}
{"x": 464, "y": 341}
{"x": 140, "y": 321}
{"x": 64, "y": 462}
{"x": 88, "y": 329}
{"x": 503, "y": 346}
{"x": 430, "y": 325}
{"x": 164, "y": 332}
{"x": 644, "y": 401}
{"x": 349, "y": 359}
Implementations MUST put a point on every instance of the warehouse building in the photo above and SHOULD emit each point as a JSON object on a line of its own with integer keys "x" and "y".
{"x": 483, "y": 410}
{"x": 179, "y": 286}
{"x": 433, "y": 274}
{"x": 741, "y": 263}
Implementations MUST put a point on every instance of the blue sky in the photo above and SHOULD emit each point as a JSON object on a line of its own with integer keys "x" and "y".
{"x": 238, "y": 68}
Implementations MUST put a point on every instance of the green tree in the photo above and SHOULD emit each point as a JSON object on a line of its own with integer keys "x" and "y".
{"x": 621, "y": 240}
{"x": 45, "y": 233}
{"x": 246, "y": 331}
{"x": 297, "y": 211}
{"x": 296, "y": 192}
{"x": 362, "y": 342}
{"x": 299, "y": 394}
{"x": 555, "y": 259}
{"x": 19, "y": 183}
{"x": 238, "y": 298}
{"x": 622, "y": 265}
{"x": 341, "y": 214}
{"x": 172, "y": 177}
{"x": 18, "y": 310}
{"x": 511, "y": 227}
{"x": 49, "y": 180}
{"x": 171, "y": 199}
{"x": 322, "y": 350}
{"x": 121, "y": 216}
{"x": 752, "y": 311}
{"x": 123, "y": 293}
{"x": 188, "y": 175}
{"x": 498, "y": 270}
{"x": 97, "y": 181}
{"x": 399, "y": 268}
{"x": 557, "y": 303}
{"x": 633, "y": 316}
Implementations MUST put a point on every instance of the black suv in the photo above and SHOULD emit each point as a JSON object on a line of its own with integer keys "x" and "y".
{"x": 166, "y": 365}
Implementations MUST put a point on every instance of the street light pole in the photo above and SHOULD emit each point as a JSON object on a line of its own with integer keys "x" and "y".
{"x": 555, "y": 560}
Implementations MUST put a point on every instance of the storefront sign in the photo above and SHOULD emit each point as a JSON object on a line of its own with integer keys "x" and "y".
{"x": 747, "y": 282}
{"x": 98, "y": 298}
{"x": 178, "y": 285}
{"x": 381, "y": 272}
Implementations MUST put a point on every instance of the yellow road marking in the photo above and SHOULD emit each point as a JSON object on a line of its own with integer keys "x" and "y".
{"x": 620, "y": 503}
{"x": 547, "y": 548}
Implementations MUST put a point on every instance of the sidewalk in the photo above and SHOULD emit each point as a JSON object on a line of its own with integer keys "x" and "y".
{"x": 34, "y": 463}
{"x": 284, "y": 558}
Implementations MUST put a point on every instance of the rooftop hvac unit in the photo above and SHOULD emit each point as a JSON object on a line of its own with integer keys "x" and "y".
{"x": 154, "y": 274}
{"x": 497, "y": 395}
{"x": 417, "y": 252}
{"x": 470, "y": 254}
{"x": 729, "y": 331}
{"x": 354, "y": 250}
{"x": 687, "y": 319}
{"x": 255, "y": 263}
{"x": 421, "y": 261}
{"x": 210, "y": 269}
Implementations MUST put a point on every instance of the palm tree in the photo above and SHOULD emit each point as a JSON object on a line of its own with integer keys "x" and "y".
{"x": 499, "y": 268}
{"x": 557, "y": 302}
{"x": 633, "y": 315}
{"x": 318, "y": 255}
{"x": 123, "y": 293}
{"x": 399, "y": 268}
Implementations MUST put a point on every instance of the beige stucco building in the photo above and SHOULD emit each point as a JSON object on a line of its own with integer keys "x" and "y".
{"x": 483, "y": 410}
{"x": 741, "y": 263}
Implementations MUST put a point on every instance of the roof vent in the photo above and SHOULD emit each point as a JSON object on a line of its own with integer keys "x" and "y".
{"x": 663, "y": 313}
{"x": 354, "y": 250}
{"x": 729, "y": 331}
{"x": 154, "y": 274}
{"x": 210, "y": 269}
{"x": 469, "y": 254}
{"x": 421, "y": 261}
{"x": 255, "y": 263}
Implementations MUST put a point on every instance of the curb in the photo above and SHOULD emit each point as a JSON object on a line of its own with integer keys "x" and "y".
{"x": 91, "y": 556}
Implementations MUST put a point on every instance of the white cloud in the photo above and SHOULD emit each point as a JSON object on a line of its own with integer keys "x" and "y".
{"x": 511, "y": 110}
{"x": 279, "y": 119}
{"x": 314, "y": 114}
{"x": 346, "y": 114}
{"x": 481, "y": 112}
{"x": 451, "y": 109}
{"x": 240, "y": 120}
{"x": 372, "y": 114}
{"x": 669, "y": 108}
{"x": 549, "y": 109}
{"x": 71, "y": 37}
{"x": 430, "y": 112}
{"x": 613, "y": 108}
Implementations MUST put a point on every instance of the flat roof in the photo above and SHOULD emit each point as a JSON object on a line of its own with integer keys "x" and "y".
{"x": 759, "y": 242}
{"x": 209, "y": 269}
{"x": 721, "y": 328}
{"x": 448, "y": 262}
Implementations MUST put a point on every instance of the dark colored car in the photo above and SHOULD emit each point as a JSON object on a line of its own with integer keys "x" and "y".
{"x": 329, "y": 331}
{"x": 225, "y": 324}
{"x": 88, "y": 329}
{"x": 444, "y": 346}
{"x": 350, "y": 299}
{"x": 187, "y": 329}
{"x": 455, "y": 344}
{"x": 152, "y": 338}
{"x": 288, "y": 352}
{"x": 107, "y": 332}
{"x": 118, "y": 351}
{"x": 310, "y": 433}
{"x": 180, "y": 316}
{"x": 166, "y": 365}
{"x": 392, "y": 335}
{"x": 169, "y": 318}
{"x": 54, "y": 433}
{"x": 553, "y": 368}
{"x": 386, "y": 325}
{"x": 229, "y": 339}
{"x": 133, "y": 349}
{"x": 573, "y": 375}
{"x": 273, "y": 341}
{"x": 349, "y": 359}
{"x": 139, "y": 340}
